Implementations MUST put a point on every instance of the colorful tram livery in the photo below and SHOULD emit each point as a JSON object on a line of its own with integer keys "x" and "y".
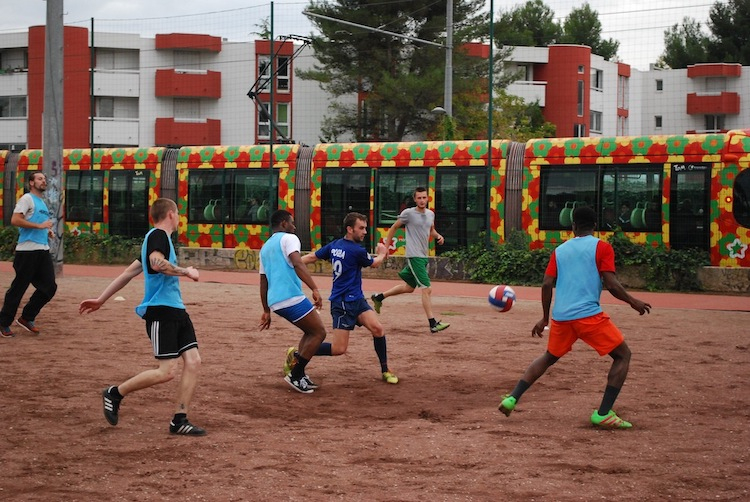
{"x": 679, "y": 191}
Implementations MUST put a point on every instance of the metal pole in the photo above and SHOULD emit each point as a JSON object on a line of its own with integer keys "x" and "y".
{"x": 52, "y": 141}
{"x": 271, "y": 130}
{"x": 448, "y": 97}
{"x": 92, "y": 109}
{"x": 489, "y": 117}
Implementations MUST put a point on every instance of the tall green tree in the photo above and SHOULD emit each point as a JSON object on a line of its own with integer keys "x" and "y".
{"x": 684, "y": 45}
{"x": 531, "y": 24}
{"x": 582, "y": 26}
{"x": 397, "y": 81}
{"x": 729, "y": 23}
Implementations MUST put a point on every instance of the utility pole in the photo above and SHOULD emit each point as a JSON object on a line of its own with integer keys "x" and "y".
{"x": 52, "y": 128}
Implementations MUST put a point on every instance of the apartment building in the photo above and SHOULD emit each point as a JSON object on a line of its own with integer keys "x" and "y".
{"x": 192, "y": 89}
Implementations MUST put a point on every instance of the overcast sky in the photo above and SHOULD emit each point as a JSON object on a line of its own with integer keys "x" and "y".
{"x": 638, "y": 24}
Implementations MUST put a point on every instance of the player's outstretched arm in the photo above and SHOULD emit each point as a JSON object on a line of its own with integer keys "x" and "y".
{"x": 309, "y": 258}
{"x": 614, "y": 286}
{"x": 93, "y": 304}
{"x": 382, "y": 254}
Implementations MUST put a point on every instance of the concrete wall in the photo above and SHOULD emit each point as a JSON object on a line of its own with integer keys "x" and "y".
{"x": 712, "y": 279}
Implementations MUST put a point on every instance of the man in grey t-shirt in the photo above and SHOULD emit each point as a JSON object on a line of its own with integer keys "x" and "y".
{"x": 420, "y": 226}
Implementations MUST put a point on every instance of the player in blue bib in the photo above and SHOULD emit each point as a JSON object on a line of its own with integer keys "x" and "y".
{"x": 349, "y": 308}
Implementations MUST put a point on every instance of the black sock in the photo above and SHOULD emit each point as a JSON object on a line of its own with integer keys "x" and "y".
{"x": 325, "y": 349}
{"x": 299, "y": 369}
{"x": 433, "y": 322}
{"x": 379, "y": 297}
{"x": 610, "y": 395}
{"x": 115, "y": 392}
{"x": 380, "y": 350}
{"x": 179, "y": 418}
{"x": 521, "y": 387}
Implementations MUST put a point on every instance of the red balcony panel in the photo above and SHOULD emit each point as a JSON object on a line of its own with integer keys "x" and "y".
{"x": 173, "y": 83}
{"x": 172, "y": 132}
{"x": 188, "y": 41}
{"x": 714, "y": 70}
{"x": 726, "y": 103}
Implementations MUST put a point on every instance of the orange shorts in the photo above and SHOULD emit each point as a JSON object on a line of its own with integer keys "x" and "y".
{"x": 598, "y": 331}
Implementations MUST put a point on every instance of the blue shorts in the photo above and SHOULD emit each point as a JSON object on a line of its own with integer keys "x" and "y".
{"x": 296, "y": 312}
{"x": 345, "y": 314}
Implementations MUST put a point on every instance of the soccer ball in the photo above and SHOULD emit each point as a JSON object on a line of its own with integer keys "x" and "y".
{"x": 501, "y": 298}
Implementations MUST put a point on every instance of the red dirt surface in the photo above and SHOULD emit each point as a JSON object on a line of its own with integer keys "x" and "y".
{"x": 437, "y": 435}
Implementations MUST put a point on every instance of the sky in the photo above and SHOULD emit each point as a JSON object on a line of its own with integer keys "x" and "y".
{"x": 638, "y": 25}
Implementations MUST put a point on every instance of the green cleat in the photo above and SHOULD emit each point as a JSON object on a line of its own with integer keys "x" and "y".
{"x": 507, "y": 405}
{"x": 440, "y": 326}
{"x": 609, "y": 421}
{"x": 290, "y": 360}
{"x": 376, "y": 304}
{"x": 389, "y": 377}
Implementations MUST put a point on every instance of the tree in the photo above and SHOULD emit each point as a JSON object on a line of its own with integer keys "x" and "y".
{"x": 531, "y": 24}
{"x": 730, "y": 40}
{"x": 397, "y": 81}
{"x": 684, "y": 45}
{"x": 582, "y": 26}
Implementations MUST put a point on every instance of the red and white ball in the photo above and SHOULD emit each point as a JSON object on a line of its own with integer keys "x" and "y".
{"x": 502, "y": 298}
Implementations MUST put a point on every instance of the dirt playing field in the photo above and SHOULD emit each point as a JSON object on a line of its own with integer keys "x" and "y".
{"x": 437, "y": 435}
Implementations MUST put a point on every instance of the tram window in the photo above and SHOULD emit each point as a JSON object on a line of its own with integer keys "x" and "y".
{"x": 562, "y": 190}
{"x": 206, "y": 196}
{"x": 741, "y": 197}
{"x": 634, "y": 194}
{"x": 84, "y": 195}
{"x": 395, "y": 192}
{"x": 250, "y": 196}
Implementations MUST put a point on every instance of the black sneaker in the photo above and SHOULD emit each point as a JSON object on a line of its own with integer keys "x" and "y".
{"x": 111, "y": 405}
{"x": 186, "y": 429}
{"x": 302, "y": 385}
{"x": 310, "y": 383}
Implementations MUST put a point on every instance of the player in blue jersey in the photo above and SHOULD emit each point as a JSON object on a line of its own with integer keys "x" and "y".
{"x": 281, "y": 275}
{"x": 349, "y": 308}
{"x": 576, "y": 269}
{"x": 168, "y": 324}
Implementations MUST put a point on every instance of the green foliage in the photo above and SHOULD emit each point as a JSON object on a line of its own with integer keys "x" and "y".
{"x": 397, "y": 81}
{"x": 684, "y": 45}
{"x": 514, "y": 263}
{"x": 529, "y": 24}
{"x": 511, "y": 263}
{"x": 93, "y": 249}
{"x": 663, "y": 268}
{"x": 582, "y": 26}
{"x": 8, "y": 239}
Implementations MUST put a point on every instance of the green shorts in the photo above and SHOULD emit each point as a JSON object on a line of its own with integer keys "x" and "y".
{"x": 415, "y": 273}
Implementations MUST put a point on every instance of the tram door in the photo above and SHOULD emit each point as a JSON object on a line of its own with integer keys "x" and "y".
{"x": 689, "y": 207}
{"x": 343, "y": 191}
{"x": 461, "y": 206}
{"x": 128, "y": 203}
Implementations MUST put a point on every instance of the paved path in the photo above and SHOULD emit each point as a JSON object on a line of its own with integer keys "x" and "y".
{"x": 693, "y": 301}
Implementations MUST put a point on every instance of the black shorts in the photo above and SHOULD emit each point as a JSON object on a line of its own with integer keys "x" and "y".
{"x": 171, "y": 337}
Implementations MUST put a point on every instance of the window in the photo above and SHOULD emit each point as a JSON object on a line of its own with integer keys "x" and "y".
{"x": 282, "y": 78}
{"x": 657, "y": 121}
{"x": 122, "y": 59}
{"x": 119, "y": 108}
{"x": 596, "y": 122}
{"x": 581, "y": 68}
{"x": 84, "y": 195}
{"x": 281, "y": 119}
{"x": 231, "y": 196}
{"x": 622, "y": 126}
{"x": 659, "y": 85}
{"x": 264, "y": 73}
{"x": 187, "y": 60}
{"x": 105, "y": 107}
{"x": 597, "y": 79}
{"x": 579, "y": 130}
{"x": 580, "y": 98}
{"x": 187, "y": 109}
{"x": 626, "y": 197}
{"x": 14, "y": 60}
{"x": 714, "y": 123}
{"x": 13, "y": 147}
{"x": 622, "y": 92}
{"x": 13, "y": 106}
{"x": 395, "y": 192}
{"x": 741, "y": 198}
